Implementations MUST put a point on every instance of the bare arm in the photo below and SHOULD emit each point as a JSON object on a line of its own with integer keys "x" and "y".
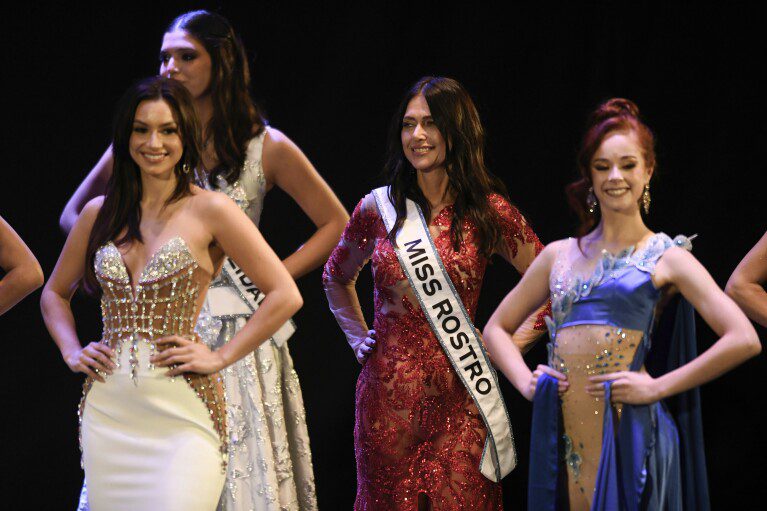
{"x": 243, "y": 242}
{"x": 746, "y": 284}
{"x": 22, "y": 271}
{"x": 93, "y": 185}
{"x": 519, "y": 246}
{"x": 528, "y": 296}
{"x": 737, "y": 339}
{"x": 288, "y": 168}
{"x": 240, "y": 240}
{"x": 55, "y": 301}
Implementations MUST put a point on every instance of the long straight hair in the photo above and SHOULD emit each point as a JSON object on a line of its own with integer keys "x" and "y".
{"x": 457, "y": 119}
{"x": 121, "y": 210}
{"x": 236, "y": 116}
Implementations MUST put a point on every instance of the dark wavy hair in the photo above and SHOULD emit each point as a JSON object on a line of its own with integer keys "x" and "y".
{"x": 614, "y": 115}
{"x": 121, "y": 210}
{"x": 470, "y": 182}
{"x": 236, "y": 116}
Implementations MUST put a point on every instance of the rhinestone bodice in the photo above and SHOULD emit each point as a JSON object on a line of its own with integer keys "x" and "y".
{"x": 165, "y": 300}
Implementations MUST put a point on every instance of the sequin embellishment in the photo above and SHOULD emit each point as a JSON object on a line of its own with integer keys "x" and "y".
{"x": 165, "y": 301}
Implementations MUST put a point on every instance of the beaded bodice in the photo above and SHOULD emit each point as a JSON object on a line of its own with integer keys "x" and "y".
{"x": 165, "y": 301}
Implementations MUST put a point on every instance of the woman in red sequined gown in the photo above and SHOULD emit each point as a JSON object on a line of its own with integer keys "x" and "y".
{"x": 418, "y": 434}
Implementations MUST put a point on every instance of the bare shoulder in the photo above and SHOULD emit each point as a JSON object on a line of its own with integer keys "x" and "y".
{"x": 277, "y": 144}
{"x": 677, "y": 266}
{"x": 207, "y": 203}
{"x": 676, "y": 258}
{"x": 549, "y": 253}
{"x": 554, "y": 247}
{"x": 92, "y": 207}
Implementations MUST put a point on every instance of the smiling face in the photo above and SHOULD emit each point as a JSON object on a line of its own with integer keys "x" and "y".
{"x": 155, "y": 142}
{"x": 619, "y": 172}
{"x": 422, "y": 142}
{"x": 185, "y": 59}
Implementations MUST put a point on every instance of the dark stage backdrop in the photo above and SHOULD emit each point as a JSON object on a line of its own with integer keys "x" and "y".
{"x": 330, "y": 78}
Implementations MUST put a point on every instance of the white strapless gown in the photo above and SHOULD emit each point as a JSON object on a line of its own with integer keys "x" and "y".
{"x": 151, "y": 445}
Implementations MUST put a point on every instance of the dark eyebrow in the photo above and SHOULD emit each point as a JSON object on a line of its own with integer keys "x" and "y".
{"x": 167, "y": 124}
{"x": 410, "y": 117}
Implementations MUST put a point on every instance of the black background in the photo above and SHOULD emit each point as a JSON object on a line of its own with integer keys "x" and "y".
{"x": 330, "y": 77}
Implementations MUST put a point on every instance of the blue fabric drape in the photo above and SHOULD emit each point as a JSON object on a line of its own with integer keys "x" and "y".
{"x": 651, "y": 460}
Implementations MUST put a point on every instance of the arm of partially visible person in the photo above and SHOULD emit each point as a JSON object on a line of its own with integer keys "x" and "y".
{"x": 737, "y": 338}
{"x": 288, "y": 168}
{"x": 56, "y": 298}
{"x": 519, "y": 304}
{"x": 746, "y": 284}
{"x": 22, "y": 271}
{"x": 519, "y": 246}
{"x": 340, "y": 275}
{"x": 93, "y": 185}
{"x": 240, "y": 240}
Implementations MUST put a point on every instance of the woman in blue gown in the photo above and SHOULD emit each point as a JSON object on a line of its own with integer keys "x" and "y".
{"x": 603, "y": 437}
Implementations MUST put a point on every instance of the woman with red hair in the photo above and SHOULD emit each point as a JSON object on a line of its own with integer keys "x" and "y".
{"x": 620, "y": 449}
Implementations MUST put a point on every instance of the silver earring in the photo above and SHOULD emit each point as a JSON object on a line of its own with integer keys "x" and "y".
{"x": 185, "y": 168}
{"x": 591, "y": 200}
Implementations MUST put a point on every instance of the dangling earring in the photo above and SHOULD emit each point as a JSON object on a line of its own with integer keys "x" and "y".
{"x": 591, "y": 200}
{"x": 646, "y": 199}
{"x": 185, "y": 168}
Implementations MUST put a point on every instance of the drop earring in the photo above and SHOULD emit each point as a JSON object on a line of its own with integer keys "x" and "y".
{"x": 646, "y": 199}
{"x": 591, "y": 200}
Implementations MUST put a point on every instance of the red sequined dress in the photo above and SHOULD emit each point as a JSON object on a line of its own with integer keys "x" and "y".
{"x": 417, "y": 429}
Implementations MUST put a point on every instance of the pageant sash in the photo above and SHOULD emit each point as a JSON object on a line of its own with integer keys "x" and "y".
{"x": 452, "y": 326}
{"x": 241, "y": 299}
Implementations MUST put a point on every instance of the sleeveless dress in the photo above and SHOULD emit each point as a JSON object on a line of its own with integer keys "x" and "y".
{"x": 418, "y": 430}
{"x": 623, "y": 457}
{"x": 148, "y": 439}
{"x": 269, "y": 461}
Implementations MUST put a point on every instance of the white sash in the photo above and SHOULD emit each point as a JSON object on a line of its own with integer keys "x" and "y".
{"x": 242, "y": 299}
{"x": 452, "y": 326}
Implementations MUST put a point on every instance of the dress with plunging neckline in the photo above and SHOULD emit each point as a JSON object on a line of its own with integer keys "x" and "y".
{"x": 147, "y": 438}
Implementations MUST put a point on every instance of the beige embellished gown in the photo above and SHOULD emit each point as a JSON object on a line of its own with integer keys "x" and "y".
{"x": 269, "y": 460}
{"x": 150, "y": 441}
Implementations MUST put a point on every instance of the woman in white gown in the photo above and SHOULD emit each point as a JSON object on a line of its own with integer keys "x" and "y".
{"x": 150, "y": 246}
{"x": 270, "y": 464}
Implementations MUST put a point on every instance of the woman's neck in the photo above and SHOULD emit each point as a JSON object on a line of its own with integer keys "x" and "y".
{"x": 204, "y": 108}
{"x": 618, "y": 230}
{"x": 155, "y": 192}
{"x": 434, "y": 185}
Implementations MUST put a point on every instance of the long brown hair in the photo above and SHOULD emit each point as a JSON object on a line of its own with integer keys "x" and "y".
{"x": 236, "y": 116}
{"x": 457, "y": 119}
{"x": 614, "y": 115}
{"x": 121, "y": 210}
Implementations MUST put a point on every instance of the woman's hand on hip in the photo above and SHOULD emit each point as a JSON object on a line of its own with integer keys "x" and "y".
{"x": 363, "y": 349}
{"x": 562, "y": 383}
{"x": 185, "y": 356}
{"x": 629, "y": 387}
{"x": 94, "y": 360}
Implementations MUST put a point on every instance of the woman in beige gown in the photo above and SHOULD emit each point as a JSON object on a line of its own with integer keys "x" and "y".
{"x": 154, "y": 430}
